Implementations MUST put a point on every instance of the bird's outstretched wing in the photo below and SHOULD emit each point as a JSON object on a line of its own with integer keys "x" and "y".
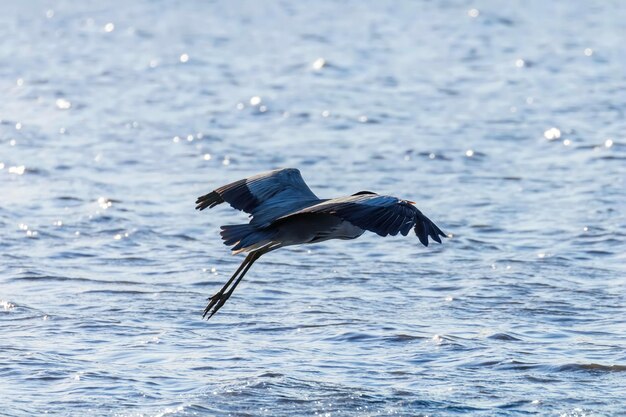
{"x": 383, "y": 215}
{"x": 265, "y": 196}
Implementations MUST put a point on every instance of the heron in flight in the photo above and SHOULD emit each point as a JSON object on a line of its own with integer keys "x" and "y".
{"x": 285, "y": 212}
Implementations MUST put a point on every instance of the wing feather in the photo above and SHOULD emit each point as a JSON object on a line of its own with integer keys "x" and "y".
{"x": 265, "y": 196}
{"x": 387, "y": 225}
{"x": 397, "y": 223}
{"x": 383, "y": 215}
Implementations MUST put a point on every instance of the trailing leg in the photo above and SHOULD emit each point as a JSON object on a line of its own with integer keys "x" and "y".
{"x": 218, "y": 295}
{"x": 217, "y": 301}
{"x": 221, "y": 300}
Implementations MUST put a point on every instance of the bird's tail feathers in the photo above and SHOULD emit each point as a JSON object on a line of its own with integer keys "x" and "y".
{"x": 245, "y": 237}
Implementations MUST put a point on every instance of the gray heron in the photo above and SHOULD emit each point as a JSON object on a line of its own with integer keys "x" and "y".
{"x": 285, "y": 212}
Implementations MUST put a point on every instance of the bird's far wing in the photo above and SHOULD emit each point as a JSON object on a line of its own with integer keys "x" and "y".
{"x": 265, "y": 196}
{"x": 383, "y": 215}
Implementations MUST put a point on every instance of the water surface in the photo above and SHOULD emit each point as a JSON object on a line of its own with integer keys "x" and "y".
{"x": 505, "y": 123}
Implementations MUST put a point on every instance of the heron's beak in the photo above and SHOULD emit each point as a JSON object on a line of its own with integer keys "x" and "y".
{"x": 411, "y": 202}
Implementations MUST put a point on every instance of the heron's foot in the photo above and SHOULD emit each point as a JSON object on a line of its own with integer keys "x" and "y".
{"x": 216, "y": 302}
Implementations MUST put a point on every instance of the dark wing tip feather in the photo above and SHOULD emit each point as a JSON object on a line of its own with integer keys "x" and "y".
{"x": 434, "y": 235}
{"x": 424, "y": 228}
{"x": 209, "y": 200}
{"x": 420, "y": 231}
{"x": 437, "y": 232}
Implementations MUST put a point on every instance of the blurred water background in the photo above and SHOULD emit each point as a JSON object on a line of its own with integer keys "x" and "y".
{"x": 505, "y": 121}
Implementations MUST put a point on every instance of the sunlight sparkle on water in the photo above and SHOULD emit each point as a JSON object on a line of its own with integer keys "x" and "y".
{"x": 104, "y": 203}
{"x": 552, "y": 133}
{"x": 608, "y": 143}
{"x": 17, "y": 170}
{"x": 319, "y": 63}
{"x": 6, "y": 305}
{"x": 63, "y": 104}
{"x": 588, "y": 51}
{"x": 473, "y": 12}
{"x": 255, "y": 101}
{"x": 109, "y": 27}
{"x": 184, "y": 58}
{"x": 519, "y": 63}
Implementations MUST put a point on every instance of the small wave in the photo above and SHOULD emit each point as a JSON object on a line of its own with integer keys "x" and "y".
{"x": 486, "y": 228}
{"x": 517, "y": 365}
{"x": 541, "y": 380}
{"x": 611, "y": 158}
{"x": 314, "y": 326}
{"x": 53, "y": 278}
{"x": 128, "y": 292}
{"x": 271, "y": 375}
{"x": 504, "y": 337}
{"x": 73, "y": 254}
{"x": 403, "y": 338}
{"x": 69, "y": 198}
{"x": 351, "y": 337}
{"x": 590, "y": 367}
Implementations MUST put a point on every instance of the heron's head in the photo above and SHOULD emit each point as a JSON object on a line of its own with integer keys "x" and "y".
{"x": 364, "y": 192}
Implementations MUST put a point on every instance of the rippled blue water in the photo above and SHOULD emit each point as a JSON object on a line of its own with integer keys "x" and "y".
{"x": 505, "y": 122}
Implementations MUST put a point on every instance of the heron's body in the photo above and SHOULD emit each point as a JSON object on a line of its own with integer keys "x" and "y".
{"x": 320, "y": 227}
{"x": 285, "y": 212}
